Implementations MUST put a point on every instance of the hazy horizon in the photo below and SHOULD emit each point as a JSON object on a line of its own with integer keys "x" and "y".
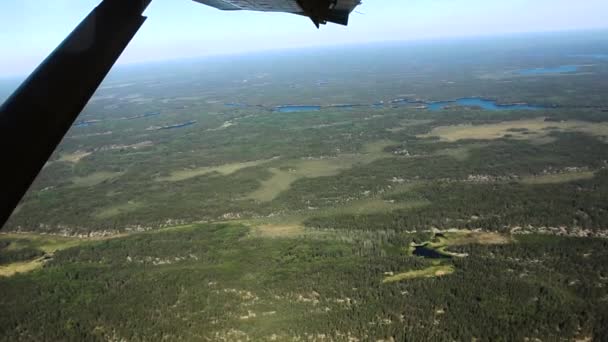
{"x": 126, "y": 65}
{"x": 184, "y": 29}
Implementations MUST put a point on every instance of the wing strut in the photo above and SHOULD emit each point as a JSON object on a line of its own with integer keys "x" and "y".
{"x": 34, "y": 119}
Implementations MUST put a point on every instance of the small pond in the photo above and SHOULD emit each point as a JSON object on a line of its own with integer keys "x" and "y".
{"x": 428, "y": 252}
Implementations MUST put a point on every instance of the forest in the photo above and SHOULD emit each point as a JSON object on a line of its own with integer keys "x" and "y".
{"x": 216, "y": 282}
{"x": 416, "y": 192}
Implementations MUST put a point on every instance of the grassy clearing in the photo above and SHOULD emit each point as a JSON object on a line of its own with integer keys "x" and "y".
{"x": 225, "y": 169}
{"x": 94, "y": 178}
{"x": 291, "y": 171}
{"x": 20, "y": 267}
{"x": 532, "y": 129}
{"x": 467, "y": 237}
{"x": 118, "y": 209}
{"x": 74, "y": 157}
{"x": 280, "y": 181}
{"x": 429, "y": 272}
{"x": 277, "y": 231}
{"x": 369, "y": 206}
{"x": 292, "y": 225}
{"x": 46, "y": 243}
{"x": 556, "y": 178}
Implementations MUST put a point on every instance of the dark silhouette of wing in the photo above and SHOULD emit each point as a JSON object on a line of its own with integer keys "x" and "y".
{"x": 34, "y": 119}
{"x": 319, "y": 11}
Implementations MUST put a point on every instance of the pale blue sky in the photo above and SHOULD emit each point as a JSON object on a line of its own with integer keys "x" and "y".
{"x": 30, "y": 29}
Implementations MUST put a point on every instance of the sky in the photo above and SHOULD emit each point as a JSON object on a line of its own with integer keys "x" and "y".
{"x": 31, "y": 29}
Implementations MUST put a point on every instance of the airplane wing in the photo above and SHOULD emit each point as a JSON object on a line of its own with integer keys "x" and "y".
{"x": 319, "y": 11}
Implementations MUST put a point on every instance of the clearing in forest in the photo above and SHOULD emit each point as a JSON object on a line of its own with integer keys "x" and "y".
{"x": 531, "y": 129}
{"x": 74, "y": 157}
{"x": 429, "y": 272}
{"x": 47, "y": 243}
{"x": 277, "y": 231}
{"x": 292, "y": 225}
{"x": 283, "y": 177}
{"x": 225, "y": 169}
{"x": 369, "y": 206}
{"x": 562, "y": 177}
{"x": 468, "y": 237}
{"x": 115, "y": 210}
{"x": 95, "y": 178}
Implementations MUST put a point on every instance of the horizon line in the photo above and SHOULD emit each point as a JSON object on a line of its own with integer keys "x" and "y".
{"x": 119, "y": 65}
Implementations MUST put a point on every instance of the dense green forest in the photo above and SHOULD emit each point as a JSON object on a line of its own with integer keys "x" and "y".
{"x": 194, "y": 203}
{"x": 216, "y": 282}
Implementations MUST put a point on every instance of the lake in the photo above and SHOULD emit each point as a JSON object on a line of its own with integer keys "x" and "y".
{"x": 477, "y": 102}
{"x": 296, "y": 108}
{"x": 563, "y": 69}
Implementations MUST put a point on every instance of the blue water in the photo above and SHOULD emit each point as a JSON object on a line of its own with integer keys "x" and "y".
{"x": 294, "y": 109}
{"x": 544, "y": 71}
{"x": 476, "y": 102}
{"x": 467, "y": 101}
